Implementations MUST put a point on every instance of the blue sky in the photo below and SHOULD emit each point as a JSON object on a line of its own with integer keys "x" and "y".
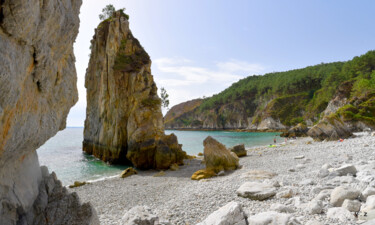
{"x": 199, "y": 48}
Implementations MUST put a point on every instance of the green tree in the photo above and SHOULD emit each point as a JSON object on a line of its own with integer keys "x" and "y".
{"x": 164, "y": 98}
{"x": 107, "y": 12}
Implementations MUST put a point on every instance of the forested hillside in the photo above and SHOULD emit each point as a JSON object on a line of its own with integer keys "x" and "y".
{"x": 283, "y": 99}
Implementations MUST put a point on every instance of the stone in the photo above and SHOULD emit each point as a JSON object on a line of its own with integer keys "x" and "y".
{"x": 37, "y": 89}
{"x": 256, "y": 191}
{"x": 124, "y": 122}
{"x": 300, "y": 166}
{"x": 217, "y": 157}
{"x": 326, "y": 166}
{"x": 346, "y": 169}
{"x": 221, "y": 173}
{"x": 239, "y": 150}
{"x": 203, "y": 174}
{"x": 296, "y": 201}
{"x": 351, "y": 205}
{"x": 174, "y": 167}
{"x": 369, "y": 216}
{"x": 272, "y": 217}
{"x": 274, "y": 183}
{"x": 323, "y": 173}
{"x": 139, "y": 215}
{"x": 342, "y": 180}
{"x": 314, "y": 207}
{"x": 231, "y": 213}
{"x": 307, "y": 182}
{"x": 299, "y": 157}
{"x": 313, "y": 222}
{"x": 370, "y": 203}
{"x": 339, "y": 194}
{"x": 329, "y": 129}
{"x": 78, "y": 184}
{"x": 128, "y": 172}
{"x": 367, "y": 192}
{"x": 324, "y": 194}
{"x": 340, "y": 213}
{"x": 160, "y": 174}
{"x": 258, "y": 175}
{"x": 288, "y": 193}
{"x": 281, "y": 208}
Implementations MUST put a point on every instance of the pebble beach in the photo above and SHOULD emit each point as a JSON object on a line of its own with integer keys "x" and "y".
{"x": 301, "y": 171}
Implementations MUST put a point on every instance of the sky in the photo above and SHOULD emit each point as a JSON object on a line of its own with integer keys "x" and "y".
{"x": 198, "y": 48}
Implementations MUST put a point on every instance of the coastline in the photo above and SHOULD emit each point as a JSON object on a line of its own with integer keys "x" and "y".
{"x": 228, "y": 129}
{"x": 177, "y": 198}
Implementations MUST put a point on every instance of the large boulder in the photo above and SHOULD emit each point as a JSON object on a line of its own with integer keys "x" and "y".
{"x": 217, "y": 157}
{"x": 329, "y": 129}
{"x": 231, "y": 213}
{"x": 339, "y": 194}
{"x": 300, "y": 130}
{"x": 37, "y": 89}
{"x": 124, "y": 123}
{"x": 239, "y": 150}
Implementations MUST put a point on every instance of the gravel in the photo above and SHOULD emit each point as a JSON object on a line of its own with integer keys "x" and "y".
{"x": 177, "y": 198}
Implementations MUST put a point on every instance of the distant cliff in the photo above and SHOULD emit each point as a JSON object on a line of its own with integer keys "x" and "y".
{"x": 278, "y": 101}
{"x": 124, "y": 123}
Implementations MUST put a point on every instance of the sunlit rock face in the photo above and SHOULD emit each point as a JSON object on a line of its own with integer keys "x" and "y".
{"x": 37, "y": 90}
{"x": 124, "y": 123}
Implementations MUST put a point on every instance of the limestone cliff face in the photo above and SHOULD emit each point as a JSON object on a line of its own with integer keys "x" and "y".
{"x": 37, "y": 90}
{"x": 123, "y": 117}
{"x": 229, "y": 116}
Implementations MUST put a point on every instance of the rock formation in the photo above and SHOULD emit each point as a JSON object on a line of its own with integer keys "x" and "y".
{"x": 329, "y": 129}
{"x": 37, "y": 90}
{"x": 217, "y": 157}
{"x": 123, "y": 117}
{"x": 297, "y": 131}
{"x": 239, "y": 150}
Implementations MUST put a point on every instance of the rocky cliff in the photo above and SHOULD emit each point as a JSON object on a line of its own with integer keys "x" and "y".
{"x": 278, "y": 101}
{"x": 37, "y": 90}
{"x": 124, "y": 122}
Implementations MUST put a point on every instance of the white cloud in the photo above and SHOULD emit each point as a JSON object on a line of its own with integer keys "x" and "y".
{"x": 240, "y": 66}
{"x": 184, "y": 73}
{"x": 184, "y": 80}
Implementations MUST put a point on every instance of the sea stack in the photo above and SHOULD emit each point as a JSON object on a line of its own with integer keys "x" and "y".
{"x": 124, "y": 123}
{"x": 37, "y": 89}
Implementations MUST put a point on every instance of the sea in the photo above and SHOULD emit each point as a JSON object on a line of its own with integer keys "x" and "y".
{"x": 63, "y": 153}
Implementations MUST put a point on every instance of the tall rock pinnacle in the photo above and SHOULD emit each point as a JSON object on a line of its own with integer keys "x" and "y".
{"x": 123, "y": 116}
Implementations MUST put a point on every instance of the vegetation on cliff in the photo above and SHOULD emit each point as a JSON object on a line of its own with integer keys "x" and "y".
{"x": 290, "y": 97}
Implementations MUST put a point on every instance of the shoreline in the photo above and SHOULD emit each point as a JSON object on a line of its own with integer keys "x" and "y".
{"x": 196, "y": 156}
{"x": 177, "y": 198}
{"x": 229, "y": 129}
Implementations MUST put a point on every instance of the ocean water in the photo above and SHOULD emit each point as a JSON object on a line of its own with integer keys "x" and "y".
{"x": 63, "y": 153}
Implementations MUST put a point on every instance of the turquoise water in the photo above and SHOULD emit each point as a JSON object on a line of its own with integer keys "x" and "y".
{"x": 63, "y": 153}
{"x": 192, "y": 141}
